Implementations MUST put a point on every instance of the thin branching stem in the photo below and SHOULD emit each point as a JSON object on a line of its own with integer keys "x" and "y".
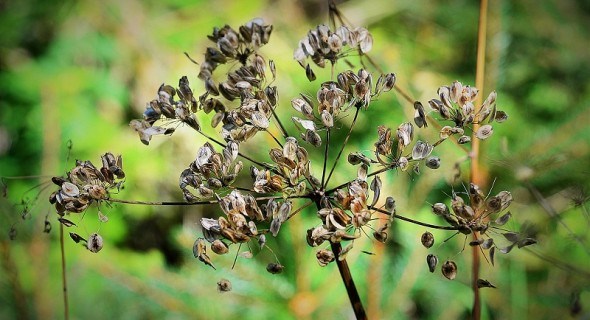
{"x": 397, "y": 216}
{"x": 326, "y": 150}
{"x": 275, "y": 138}
{"x": 299, "y": 210}
{"x": 342, "y": 148}
{"x": 239, "y": 153}
{"x": 196, "y": 203}
{"x": 548, "y": 208}
{"x": 63, "y": 272}
{"x": 280, "y": 124}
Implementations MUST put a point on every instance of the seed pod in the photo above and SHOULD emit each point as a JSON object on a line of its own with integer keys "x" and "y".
{"x": 463, "y": 139}
{"x": 70, "y": 189}
{"x": 219, "y": 247}
{"x": 440, "y": 209}
{"x": 421, "y": 150}
{"x": 484, "y": 132}
{"x": 427, "y": 239}
{"x": 94, "y": 243}
{"x": 432, "y": 261}
{"x": 389, "y": 82}
{"x": 380, "y": 236}
{"x": 390, "y": 205}
{"x": 433, "y": 162}
{"x": 449, "y": 269}
{"x": 481, "y": 283}
{"x": 324, "y": 257}
{"x": 76, "y": 237}
{"x": 274, "y": 268}
{"x": 224, "y": 285}
{"x": 200, "y": 251}
{"x": 309, "y": 73}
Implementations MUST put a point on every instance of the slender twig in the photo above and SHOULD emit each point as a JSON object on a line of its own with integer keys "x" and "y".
{"x": 299, "y": 210}
{"x": 63, "y": 272}
{"x": 424, "y": 224}
{"x": 274, "y": 138}
{"x": 239, "y": 153}
{"x": 548, "y": 208}
{"x": 182, "y": 203}
{"x": 326, "y": 149}
{"x": 342, "y": 148}
{"x": 280, "y": 124}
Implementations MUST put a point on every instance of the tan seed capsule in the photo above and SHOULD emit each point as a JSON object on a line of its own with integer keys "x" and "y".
{"x": 94, "y": 243}
{"x": 274, "y": 268}
{"x": 427, "y": 239}
{"x": 449, "y": 269}
{"x": 219, "y": 247}
{"x": 224, "y": 285}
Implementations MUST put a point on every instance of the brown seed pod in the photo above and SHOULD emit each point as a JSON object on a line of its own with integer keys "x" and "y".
{"x": 324, "y": 257}
{"x": 449, "y": 269}
{"x": 432, "y": 261}
{"x": 275, "y": 268}
{"x": 224, "y": 285}
{"x": 94, "y": 243}
{"x": 219, "y": 247}
{"x": 427, "y": 239}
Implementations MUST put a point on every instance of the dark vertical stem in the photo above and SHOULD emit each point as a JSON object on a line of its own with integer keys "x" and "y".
{"x": 353, "y": 295}
{"x": 63, "y": 272}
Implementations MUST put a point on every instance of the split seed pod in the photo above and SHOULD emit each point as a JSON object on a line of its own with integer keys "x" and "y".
{"x": 449, "y": 269}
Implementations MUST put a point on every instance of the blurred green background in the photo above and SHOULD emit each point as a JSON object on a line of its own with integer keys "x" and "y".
{"x": 78, "y": 71}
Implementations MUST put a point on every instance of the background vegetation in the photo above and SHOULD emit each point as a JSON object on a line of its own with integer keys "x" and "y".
{"x": 79, "y": 71}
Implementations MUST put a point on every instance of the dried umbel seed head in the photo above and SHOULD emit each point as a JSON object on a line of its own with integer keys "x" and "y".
{"x": 224, "y": 285}
{"x": 274, "y": 268}
{"x": 432, "y": 261}
{"x": 94, "y": 243}
{"x": 324, "y": 257}
{"x": 449, "y": 269}
{"x": 427, "y": 239}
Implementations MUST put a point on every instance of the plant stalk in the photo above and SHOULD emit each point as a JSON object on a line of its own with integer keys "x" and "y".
{"x": 63, "y": 272}
{"x": 353, "y": 295}
{"x": 477, "y": 176}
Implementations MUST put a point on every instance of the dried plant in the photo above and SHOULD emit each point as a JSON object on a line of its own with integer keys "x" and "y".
{"x": 244, "y": 104}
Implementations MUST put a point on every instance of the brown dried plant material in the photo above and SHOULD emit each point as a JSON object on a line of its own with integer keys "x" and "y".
{"x": 449, "y": 269}
{"x": 427, "y": 239}
{"x": 224, "y": 285}
{"x": 95, "y": 243}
